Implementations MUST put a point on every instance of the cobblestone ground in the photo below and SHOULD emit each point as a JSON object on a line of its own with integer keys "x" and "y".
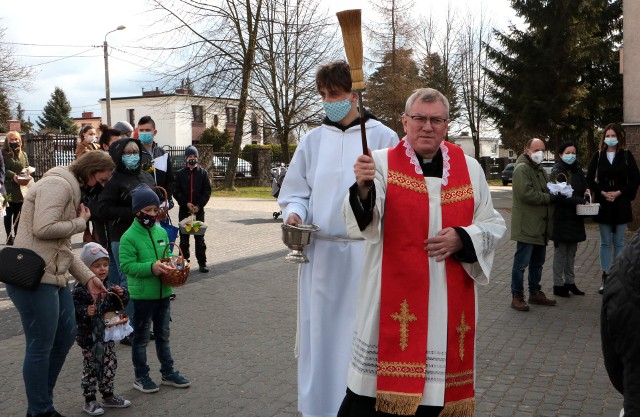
{"x": 233, "y": 332}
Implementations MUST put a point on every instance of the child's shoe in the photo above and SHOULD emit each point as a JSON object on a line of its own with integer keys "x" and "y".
{"x": 93, "y": 408}
{"x": 115, "y": 401}
{"x": 145, "y": 384}
{"x": 176, "y": 380}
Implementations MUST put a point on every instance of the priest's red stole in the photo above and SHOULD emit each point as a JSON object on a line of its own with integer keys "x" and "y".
{"x": 402, "y": 349}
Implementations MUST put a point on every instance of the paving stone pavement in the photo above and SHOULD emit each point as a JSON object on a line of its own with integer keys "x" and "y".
{"x": 233, "y": 332}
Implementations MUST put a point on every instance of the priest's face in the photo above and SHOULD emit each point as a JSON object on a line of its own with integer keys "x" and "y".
{"x": 426, "y": 126}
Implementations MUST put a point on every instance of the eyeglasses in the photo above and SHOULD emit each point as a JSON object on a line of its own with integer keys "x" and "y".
{"x": 422, "y": 120}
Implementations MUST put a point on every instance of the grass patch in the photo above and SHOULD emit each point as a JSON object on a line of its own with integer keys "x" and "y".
{"x": 244, "y": 192}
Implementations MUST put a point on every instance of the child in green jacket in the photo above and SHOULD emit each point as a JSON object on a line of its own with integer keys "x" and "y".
{"x": 141, "y": 246}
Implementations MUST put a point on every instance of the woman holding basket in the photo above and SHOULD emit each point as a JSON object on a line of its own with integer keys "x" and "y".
{"x": 15, "y": 160}
{"x": 568, "y": 227}
{"x": 614, "y": 178}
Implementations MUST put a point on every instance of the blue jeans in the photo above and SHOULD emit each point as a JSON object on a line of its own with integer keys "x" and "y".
{"x": 49, "y": 324}
{"x": 146, "y": 313}
{"x": 527, "y": 255}
{"x": 606, "y": 231}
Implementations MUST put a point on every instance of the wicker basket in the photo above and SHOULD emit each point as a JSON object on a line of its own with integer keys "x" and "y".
{"x": 590, "y": 209}
{"x": 109, "y": 315}
{"x": 177, "y": 277}
{"x": 163, "y": 210}
{"x": 201, "y": 231}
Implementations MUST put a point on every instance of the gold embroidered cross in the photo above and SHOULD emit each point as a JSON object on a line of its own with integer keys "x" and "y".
{"x": 404, "y": 317}
{"x": 462, "y": 329}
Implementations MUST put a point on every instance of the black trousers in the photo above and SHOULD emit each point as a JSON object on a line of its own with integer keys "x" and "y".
{"x": 355, "y": 405}
{"x": 13, "y": 210}
{"x": 201, "y": 246}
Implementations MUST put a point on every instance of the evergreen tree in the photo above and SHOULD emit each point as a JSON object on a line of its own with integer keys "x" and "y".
{"x": 5, "y": 111}
{"x": 543, "y": 84}
{"x": 434, "y": 75}
{"x": 388, "y": 89}
{"x": 56, "y": 113}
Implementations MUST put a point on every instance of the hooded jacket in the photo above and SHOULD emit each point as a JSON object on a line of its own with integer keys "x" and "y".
{"x": 620, "y": 325}
{"x": 532, "y": 215}
{"x": 163, "y": 179}
{"x": 567, "y": 225}
{"x": 47, "y": 222}
{"x": 13, "y": 165}
{"x": 114, "y": 202}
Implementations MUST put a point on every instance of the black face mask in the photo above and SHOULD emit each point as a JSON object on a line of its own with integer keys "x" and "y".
{"x": 92, "y": 191}
{"x": 14, "y": 145}
{"x": 192, "y": 162}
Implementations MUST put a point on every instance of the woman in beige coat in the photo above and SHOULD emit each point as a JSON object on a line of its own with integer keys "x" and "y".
{"x": 51, "y": 214}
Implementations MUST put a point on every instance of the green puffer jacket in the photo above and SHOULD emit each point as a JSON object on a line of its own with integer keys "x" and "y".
{"x": 532, "y": 215}
{"x": 140, "y": 248}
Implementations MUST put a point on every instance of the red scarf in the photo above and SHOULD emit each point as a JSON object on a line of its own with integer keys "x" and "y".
{"x": 404, "y": 302}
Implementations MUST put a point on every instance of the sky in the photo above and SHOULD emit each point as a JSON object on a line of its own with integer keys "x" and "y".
{"x": 63, "y": 45}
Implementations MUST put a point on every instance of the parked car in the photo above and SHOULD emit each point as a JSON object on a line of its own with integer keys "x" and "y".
{"x": 220, "y": 164}
{"x": 507, "y": 173}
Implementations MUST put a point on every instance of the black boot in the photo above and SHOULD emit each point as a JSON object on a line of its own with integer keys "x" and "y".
{"x": 561, "y": 291}
{"x": 573, "y": 289}
{"x": 604, "y": 280}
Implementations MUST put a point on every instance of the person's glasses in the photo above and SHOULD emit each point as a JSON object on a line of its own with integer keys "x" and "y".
{"x": 423, "y": 120}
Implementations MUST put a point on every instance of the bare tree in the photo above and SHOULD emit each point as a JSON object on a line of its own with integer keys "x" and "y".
{"x": 215, "y": 47}
{"x": 474, "y": 82}
{"x": 295, "y": 37}
{"x": 13, "y": 74}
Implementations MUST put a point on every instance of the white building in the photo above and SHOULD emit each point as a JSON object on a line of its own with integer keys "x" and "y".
{"x": 181, "y": 117}
{"x": 489, "y": 146}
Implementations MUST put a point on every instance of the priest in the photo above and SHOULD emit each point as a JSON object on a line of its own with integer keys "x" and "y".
{"x": 431, "y": 232}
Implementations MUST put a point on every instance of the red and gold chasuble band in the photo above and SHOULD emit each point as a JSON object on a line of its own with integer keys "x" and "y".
{"x": 404, "y": 305}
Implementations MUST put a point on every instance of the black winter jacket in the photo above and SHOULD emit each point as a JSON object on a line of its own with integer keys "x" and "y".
{"x": 114, "y": 203}
{"x": 622, "y": 175}
{"x": 192, "y": 186}
{"x": 82, "y": 300}
{"x": 567, "y": 225}
{"x": 620, "y": 325}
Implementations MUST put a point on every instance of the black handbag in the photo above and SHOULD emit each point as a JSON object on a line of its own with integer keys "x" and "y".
{"x": 21, "y": 267}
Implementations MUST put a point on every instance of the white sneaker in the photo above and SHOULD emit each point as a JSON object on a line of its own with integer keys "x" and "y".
{"x": 93, "y": 408}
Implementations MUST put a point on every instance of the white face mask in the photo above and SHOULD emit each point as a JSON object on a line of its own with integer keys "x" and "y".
{"x": 91, "y": 139}
{"x": 537, "y": 157}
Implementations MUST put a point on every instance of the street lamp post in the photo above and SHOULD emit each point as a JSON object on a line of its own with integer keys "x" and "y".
{"x": 106, "y": 74}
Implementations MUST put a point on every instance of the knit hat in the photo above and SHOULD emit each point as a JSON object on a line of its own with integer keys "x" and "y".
{"x": 91, "y": 252}
{"x": 190, "y": 150}
{"x": 123, "y": 127}
{"x": 143, "y": 196}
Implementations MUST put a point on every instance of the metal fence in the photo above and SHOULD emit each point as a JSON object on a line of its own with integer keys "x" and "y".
{"x": 46, "y": 152}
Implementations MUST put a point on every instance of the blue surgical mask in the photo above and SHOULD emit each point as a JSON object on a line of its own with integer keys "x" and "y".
{"x": 131, "y": 161}
{"x": 146, "y": 220}
{"x": 145, "y": 137}
{"x": 338, "y": 110}
{"x": 611, "y": 141}
{"x": 569, "y": 158}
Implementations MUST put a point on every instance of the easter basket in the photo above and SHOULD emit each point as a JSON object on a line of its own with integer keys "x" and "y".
{"x": 590, "y": 209}
{"x": 180, "y": 273}
{"x": 116, "y": 324}
{"x": 163, "y": 210}
{"x": 191, "y": 226}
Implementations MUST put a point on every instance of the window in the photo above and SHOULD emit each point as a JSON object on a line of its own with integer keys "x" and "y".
{"x": 494, "y": 148}
{"x": 131, "y": 116}
{"x": 216, "y": 120}
{"x": 231, "y": 115}
{"x": 198, "y": 114}
{"x": 511, "y": 154}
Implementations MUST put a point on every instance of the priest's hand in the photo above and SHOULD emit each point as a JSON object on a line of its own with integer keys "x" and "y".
{"x": 294, "y": 219}
{"x": 444, "y": 244}
{"x": 365, "y": 170}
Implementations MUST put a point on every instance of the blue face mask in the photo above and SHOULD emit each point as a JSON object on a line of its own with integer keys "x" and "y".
{"x": 145, "y": 137}
{"x": 569, "y": 158}
{"x": 146, "y": 220}
{"x": 131, "y": 161}
{"x": 338, "y": 110}
{"x": 611, "y": 141}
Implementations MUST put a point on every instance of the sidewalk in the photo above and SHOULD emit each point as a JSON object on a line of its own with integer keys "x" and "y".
{"x": 233, "y": 333}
